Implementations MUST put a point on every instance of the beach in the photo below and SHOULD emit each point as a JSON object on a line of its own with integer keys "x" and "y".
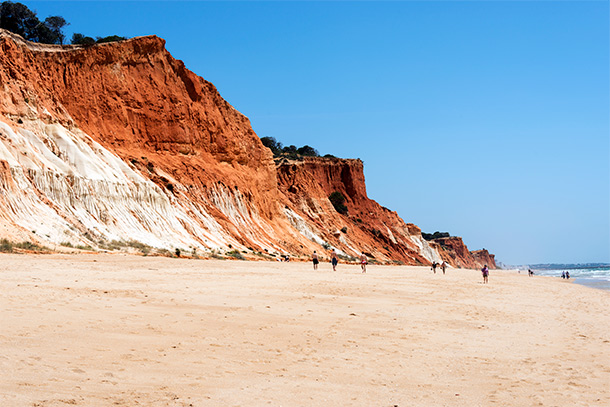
{"x": 108, "y": 330}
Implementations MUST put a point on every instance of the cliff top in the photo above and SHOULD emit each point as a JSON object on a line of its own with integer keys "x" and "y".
{"x": 306, "y": 159}
{"x": 35, "y": 46}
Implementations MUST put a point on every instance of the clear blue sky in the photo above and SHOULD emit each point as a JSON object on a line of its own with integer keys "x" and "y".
{"x": 489, "y": 120}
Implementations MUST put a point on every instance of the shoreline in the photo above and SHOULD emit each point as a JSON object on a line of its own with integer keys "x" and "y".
{"x": 594, "y": 283}
{"x": 117, "y": 329}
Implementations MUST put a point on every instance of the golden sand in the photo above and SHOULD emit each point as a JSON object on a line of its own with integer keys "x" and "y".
{"x": 111, "y": 330}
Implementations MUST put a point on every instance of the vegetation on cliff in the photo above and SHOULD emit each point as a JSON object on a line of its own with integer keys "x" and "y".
{"x": 80, "y": 39}
{"x": 338, "y": 201}
{"x": 435, "y": 235}
{"x": 291, "y": 152}
{"x": 6, "y": 246}
{"x": 19, "y": 19}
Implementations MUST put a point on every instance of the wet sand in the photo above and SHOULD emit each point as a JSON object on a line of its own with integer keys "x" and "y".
{"x": 112, "y": 330}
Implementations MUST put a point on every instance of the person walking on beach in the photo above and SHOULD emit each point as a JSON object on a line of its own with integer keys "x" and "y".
{"x": 314, "y": 257}
{"x": 334, "y": 261}
{"x": 444, "y": 266}
{"x": 485, "y": 272}
{"x": 563, "y": 274}
{"x": 363, "y": 262}
{"x": 567, "y": 275}
{"x": 434, "y": 266}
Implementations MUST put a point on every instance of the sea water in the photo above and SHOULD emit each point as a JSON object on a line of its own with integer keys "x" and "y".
{"x": 596, "y": 277}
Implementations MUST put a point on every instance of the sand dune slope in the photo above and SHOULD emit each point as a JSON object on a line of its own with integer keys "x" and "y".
{"x": 110, "y": 330}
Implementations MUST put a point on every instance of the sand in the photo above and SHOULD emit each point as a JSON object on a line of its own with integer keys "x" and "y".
{"x": 112, "y": 330}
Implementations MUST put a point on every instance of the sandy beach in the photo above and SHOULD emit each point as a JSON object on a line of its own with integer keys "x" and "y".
{"x": 113, "y": 330}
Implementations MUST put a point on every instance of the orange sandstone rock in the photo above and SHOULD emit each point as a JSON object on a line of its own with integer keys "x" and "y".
{"x": 120, "y": 141}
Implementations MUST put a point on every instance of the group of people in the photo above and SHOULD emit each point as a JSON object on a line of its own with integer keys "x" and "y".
{"x": 442, "y": 265}
{"x": 565, "y": 274}
{"x": 334, "y": 260}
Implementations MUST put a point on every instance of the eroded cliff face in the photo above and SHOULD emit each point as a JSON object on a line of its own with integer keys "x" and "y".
{"x": 484, "y": 257}
{"x": 455, "y": 252}
{"x": 120, "y": 141}
{"x": 367, "y": 226}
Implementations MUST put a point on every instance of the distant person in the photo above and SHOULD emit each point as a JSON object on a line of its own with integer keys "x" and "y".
{"x": 444, "y": 267}
{"x": 314, "y": 257}
{"x": 434, "y": 267}
{"x": 334, "y": 261}
{"x": 563, "y": 274}
{"x": 530, "y": 272}
{"x": 485, "y": 272}
{"x": 567, "y": 275}
{"x": 363, "y": 262}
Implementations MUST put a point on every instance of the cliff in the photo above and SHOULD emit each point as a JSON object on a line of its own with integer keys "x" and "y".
{"x": 455, "y": 252}
{"x": 120, "y": 142}
{"x": 484, "y": 257}
{"x": 367, "y": 226}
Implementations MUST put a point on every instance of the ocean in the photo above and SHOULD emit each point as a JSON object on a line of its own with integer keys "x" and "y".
{"x": 595, "y": 277}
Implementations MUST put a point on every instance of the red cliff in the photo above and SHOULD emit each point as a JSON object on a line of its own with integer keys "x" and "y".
{"x": 367, "y": 226}
{"x": 120, "y": 142}
{"x": 454, "y": 251}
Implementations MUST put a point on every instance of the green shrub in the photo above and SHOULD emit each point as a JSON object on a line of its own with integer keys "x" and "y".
{"x": 263, "y": 255}
{"x": 6, "y": 246}
{"x": 338, "y": 201}
{"x": 307, "y": 151}
{"x": 18, "y": 18}
{"x": 435, "y": 235}
{"x": 235, "y": 254}
{"x": 80, "y": 39}
{"x": 30, "y": 246}
{"x": 119, "y": 244}
{"x": 80, "y": 246}
{"x": 290, "y": 152}
{"x": 110, "y": 38}
{"x": 272, "y": 144}
{"x": 216, "y": 256}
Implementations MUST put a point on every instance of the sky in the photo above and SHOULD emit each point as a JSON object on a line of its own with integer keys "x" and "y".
{"x": 487, "y": 120}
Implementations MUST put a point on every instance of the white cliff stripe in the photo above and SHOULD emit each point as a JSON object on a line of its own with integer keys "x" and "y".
{"x": 73, "y": 183}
